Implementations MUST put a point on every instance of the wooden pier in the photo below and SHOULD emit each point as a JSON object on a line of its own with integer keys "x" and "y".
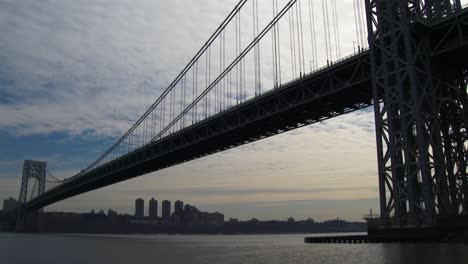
{"x": 337, "y": 239}
{"x": 361, "y": 239}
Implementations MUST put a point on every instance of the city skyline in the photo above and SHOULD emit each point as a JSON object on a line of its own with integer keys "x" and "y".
{"x": 143, "y": 212}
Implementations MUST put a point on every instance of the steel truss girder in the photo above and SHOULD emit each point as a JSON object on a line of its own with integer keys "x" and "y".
{"x": 342, "y": 88}
{"x": 415, "y": 164}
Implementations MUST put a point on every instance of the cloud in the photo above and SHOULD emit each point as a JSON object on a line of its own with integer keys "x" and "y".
{"x": 92, "y": 69}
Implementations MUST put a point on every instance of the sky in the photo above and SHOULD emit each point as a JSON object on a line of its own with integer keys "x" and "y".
{"x": 76, "y": 74}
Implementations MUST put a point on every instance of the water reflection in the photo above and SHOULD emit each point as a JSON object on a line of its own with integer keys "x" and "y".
{"x": 204, "y": 249}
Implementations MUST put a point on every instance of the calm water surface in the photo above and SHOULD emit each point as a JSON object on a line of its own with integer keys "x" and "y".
{"x": 246, "y": 249}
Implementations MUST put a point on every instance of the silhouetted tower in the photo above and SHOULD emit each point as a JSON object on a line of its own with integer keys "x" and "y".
{"x": 32, "y": 170}
{"x": 153, "y": 209}
{"x": 139, "y": 208}
{"x": 421, "y": 120}
{"x": 178, "y": 207}
{"x": 166, "y": 210}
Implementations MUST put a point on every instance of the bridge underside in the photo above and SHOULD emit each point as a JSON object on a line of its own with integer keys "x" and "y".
{"x": 341, "y": 88}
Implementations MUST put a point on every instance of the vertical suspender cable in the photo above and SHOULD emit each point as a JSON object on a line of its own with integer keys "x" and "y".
{"x": 205, "y": 105}
{"x": 209, "y": 81}
{"x": 325, "y": 26}
{"x": 294, "y": 41}
{"x": 224, "y": 66}
{"x": 299, "y": 55}
{"x": 337, "y": 30}
{"x": 291, "y": 40}
{"x": 152, "y": 125}
{"x": 196, "y": 90}
{"x": 258, "y": 52}
{"x": 237, "y": 53}
{"x": 229, "y": 99}
{"x": 255, "y": 48}
{"x": 172, "y": 106}
{"x": 315, "y": 35}
{"x": 312, "y": 34}
{"x": 363, "y": 25}
{"x": 273, "y": 50}
{"x": 223, "y": 96}
{"x": 356, "y": 24}
{"x": 302, "y": 36}
{"x": 333, "y": 25}
{"x": 360, "y": 22}
{"x": 242, "y": 62}
{"x": 220, "y": 86}
{"x": 278, "y": 45}
{"x": 330, "y": 44}
{"x": 182, "y": 107}
{"x": 182, "y": 89}
{"x": 193, "y": 93}
{"x": 145, "y": 126}
{"x": 163, "y": 116}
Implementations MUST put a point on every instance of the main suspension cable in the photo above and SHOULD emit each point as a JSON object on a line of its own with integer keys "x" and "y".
{"x": 233, "y": 64}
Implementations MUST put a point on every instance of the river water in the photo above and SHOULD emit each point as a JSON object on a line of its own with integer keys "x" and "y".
{"x": 245, "y": 249}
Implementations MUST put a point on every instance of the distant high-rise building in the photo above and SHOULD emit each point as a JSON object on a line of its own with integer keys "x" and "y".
{"x": 178, "y": 207}
{"x": 139, "y": 208}
{"x": 166, "y": 209}
{"x": 153, "y": 209}
{"x": 9, "y": 205}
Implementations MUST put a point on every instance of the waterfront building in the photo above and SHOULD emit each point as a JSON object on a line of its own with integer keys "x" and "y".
{"x": 9, "y": 205}
{"x": 153, "y": 209}
{"x": 178, "y": 207}
{"x": 139, "y": 208}
{"x": 166, "y": 210}
{"x": 215, "y": 218}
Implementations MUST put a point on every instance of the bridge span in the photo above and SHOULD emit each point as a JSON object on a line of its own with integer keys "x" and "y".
{"x": 409, "y": 48}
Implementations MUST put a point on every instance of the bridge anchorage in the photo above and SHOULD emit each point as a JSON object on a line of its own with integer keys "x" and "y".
{"x": 415, "y": 74}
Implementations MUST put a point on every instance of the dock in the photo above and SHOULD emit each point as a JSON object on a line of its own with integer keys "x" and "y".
{"x": 363, "y": 239}
{"x": 337, "y": 239}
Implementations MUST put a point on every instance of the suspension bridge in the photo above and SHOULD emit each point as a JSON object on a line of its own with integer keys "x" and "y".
{"x": 274, "y": 66}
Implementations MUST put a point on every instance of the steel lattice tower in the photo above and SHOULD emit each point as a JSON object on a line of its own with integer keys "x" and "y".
{"x": 421, "y": 120}
{"x": 32, "y": 170}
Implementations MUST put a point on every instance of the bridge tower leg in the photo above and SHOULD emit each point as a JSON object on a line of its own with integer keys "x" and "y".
{"x": 31, "y": 170}
{"x": 421, "y": 125}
